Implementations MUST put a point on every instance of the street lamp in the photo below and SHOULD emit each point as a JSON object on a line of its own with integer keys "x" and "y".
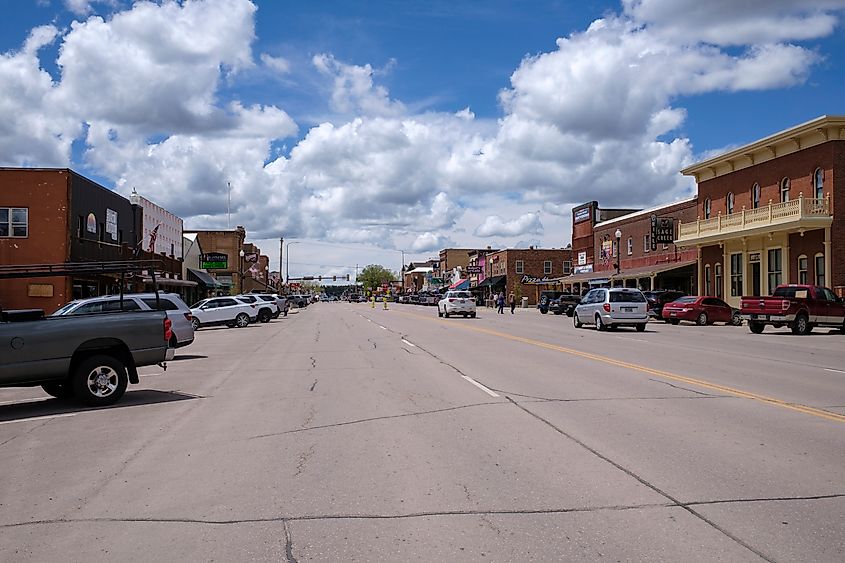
{"x": 618, "y": 250}
{"x": 287, "y": 260}
{"x": 241, "y": 269}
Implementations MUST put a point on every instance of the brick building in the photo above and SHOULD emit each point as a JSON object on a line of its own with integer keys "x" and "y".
{"x": 642, "y": 262}
{"x": 55, "y": 216}
{"x": 526, "y": 272}
{"x": 222, "y": 257}
{"x": 772, "y": 212}
{"x": 584, "y": 219}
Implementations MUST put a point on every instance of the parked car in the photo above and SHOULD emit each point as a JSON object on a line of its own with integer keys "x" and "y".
{"x": 657, "y": 298}
{"x": 800, "y": 307}
{"x": 456, "y": 303}
{"x": 564, "y": 303}
{"x": 177, "y": 311}
{"x": 612, "y": 307}
{"x": 702, "y": 310}
{"x": 227, "y": 311}
{"x": 545, "y": 298}
{"x": 267, "y": 308}
{"x": 298, "y": 300}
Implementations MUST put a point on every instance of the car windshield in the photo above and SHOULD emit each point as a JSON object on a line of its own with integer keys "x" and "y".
{"x": 198, "y": 304}
{"x": 626, "y": 297}
{"x": 64, "y": 310}
{"x": 461, "y": 294}
{"x": 682, "y": 300}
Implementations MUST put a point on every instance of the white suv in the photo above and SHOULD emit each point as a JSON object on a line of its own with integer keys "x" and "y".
{"x": 456, "y": 303}
{"x": 267, "y": 308}
{"x": 223, "y": 311}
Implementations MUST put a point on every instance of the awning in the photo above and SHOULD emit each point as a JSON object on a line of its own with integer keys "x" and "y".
{"x": 171, "y": 282}
{"x": 460, "y": 284}
{"x": 492, "y": 281}
{"x": 204, "y": 278}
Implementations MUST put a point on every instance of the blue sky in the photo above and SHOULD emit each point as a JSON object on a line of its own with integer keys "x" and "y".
{"x": 372, "y": 127}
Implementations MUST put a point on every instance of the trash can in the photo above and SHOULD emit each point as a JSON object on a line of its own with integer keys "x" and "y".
{"x": 524, "y": 302}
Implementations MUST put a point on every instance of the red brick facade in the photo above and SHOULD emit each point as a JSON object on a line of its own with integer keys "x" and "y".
{"x": 535, "y": 263}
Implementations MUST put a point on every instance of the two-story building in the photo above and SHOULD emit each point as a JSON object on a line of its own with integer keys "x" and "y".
{"x": 771, "y": 212}
{"x": 526, "y": 272}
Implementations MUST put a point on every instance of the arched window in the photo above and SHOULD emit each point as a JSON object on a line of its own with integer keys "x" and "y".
{"x": 730, "y": 202}
{"x": 707, "y": 283}
{"x": 755, "y": 196}
{"x": 818, "y": 183}
{"x": 820, "y": 277}
{"x": 784, "y": 190}
{"x": 707, "y": 207}
{"x": 630, "y": 246}
{"x": 802, "y": 269}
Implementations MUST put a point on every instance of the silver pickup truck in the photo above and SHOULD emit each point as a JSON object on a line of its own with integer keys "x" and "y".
{"x": 90, "y": 357}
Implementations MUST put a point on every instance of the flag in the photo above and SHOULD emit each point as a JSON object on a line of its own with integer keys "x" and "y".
{"x": 153, "y": 235}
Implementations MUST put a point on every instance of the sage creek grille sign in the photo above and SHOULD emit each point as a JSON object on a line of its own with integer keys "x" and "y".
{"x": 214, "y": 261}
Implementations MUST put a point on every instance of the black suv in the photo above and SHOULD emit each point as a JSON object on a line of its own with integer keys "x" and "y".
{"x": 658, "y": 298}
{"x": 545, "y": 298}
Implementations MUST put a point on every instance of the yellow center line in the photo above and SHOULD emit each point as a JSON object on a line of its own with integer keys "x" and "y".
{"x": 644, "y": 369}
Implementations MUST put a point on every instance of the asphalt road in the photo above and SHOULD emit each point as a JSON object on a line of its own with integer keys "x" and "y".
{"x": 347, "y": 433}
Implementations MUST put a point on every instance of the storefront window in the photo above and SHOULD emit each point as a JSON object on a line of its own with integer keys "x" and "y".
{"x": 630, "y": 246}
{"x": 14, "y": 222}
{"x": 775, "y": 268}
{"x": 547, "y": 267}
{"x": 755, "y": 196}
{"x": 820, "y": 270}
{"x": 520, "y": 267}
{"x": 802, "y": 269}
{"x": 646, "y": 243}
{"x": 707, "y": 288}
{"x": 736, "y": 275}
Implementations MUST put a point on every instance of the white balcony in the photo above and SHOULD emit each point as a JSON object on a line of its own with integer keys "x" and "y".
{"x": 791, "y": 216}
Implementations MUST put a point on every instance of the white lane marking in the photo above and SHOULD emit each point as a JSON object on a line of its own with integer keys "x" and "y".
{"x": 480, "y": 386}
{"x": 25, "y": 401}
{"x": 632, "y": 339}
{"x": 382, "y": 327}
{"x": 35, "y": 418}
{"x": 834, "y": 370}
{"x": 412, "y": 345}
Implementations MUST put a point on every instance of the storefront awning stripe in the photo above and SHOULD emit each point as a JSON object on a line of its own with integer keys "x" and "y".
{"x": 204, "y": 278}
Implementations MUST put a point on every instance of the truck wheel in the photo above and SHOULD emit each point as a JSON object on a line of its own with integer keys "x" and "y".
{"x": 439, "y": 312}
{"x": 673, "y": 321}
{"x": 576, "y": 321}
{"x": 242, "y": 320}
{"x": 58, "y": 389}
{"x": 264, "y": 315}
{"x": 701, "y": 320}
{"x": 755, "y": 327}
{"x": 640, "y": 328}
{"x": 100, "y": 380}
{"x": 543, "y": 311}
{"x": 801, "y": 325}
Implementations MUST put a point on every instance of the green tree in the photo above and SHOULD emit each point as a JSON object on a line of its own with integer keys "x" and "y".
{"x": 375, "y": 275}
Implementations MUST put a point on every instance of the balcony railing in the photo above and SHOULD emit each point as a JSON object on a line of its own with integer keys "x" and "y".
{"x": 774, "y": 214}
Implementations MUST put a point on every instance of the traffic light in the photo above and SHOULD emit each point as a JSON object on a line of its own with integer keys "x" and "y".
{"x": 334, "y": 278}
{"x": 347, "y": 277}
{"x": 319, "y": 278}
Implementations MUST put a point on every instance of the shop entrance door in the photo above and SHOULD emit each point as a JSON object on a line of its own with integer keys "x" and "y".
{"x": 756, "y": 288}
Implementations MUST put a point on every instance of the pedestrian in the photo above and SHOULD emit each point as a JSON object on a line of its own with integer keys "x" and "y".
{"x": 512, "y": 302}
{"x": 500, "y": 303}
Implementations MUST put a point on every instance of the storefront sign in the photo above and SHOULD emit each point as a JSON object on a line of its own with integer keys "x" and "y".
{"x": 214, "y": 261}
{"x": 474, "y": 269}
{"x": 662, "y": 231}
{"x": 582, "y": 258}
{"x": 754, "y": 257}
{"x": 584, "y": 269}
{"x": 111, "y": 223}
{"x": 40, "y": 290}
{"x": 526, "y": 279}
{"x": 582, "y": 214}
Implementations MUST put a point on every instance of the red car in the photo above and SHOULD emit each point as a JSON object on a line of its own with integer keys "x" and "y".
{"x": 701, "y": 310}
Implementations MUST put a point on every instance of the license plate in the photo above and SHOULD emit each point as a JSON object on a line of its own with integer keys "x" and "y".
{"x": 673, "y": 314}
{"x": 760, "y": 317}
{"x": 628, "y": 309}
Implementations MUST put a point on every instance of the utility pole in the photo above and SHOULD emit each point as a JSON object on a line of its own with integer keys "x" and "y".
{"x": 229, "y": 205}
{"x": 281, "y": 246}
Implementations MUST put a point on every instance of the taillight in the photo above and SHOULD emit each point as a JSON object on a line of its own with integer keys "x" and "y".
{"x": 606, "y": 307}
{"x": 784, "y": 304}
{"x": 452, "y": 300}
{"x": 189, "y": 317}
{"x": 168, "y": 332}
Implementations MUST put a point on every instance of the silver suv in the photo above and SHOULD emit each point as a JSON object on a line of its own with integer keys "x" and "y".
{"x": 177, "y": 311}
{"x": 612, "y": 307}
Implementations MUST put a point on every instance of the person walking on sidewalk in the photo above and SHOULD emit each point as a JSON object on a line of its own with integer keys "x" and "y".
{"x": 512, "y": 302}
{"x": 500, "y": 302}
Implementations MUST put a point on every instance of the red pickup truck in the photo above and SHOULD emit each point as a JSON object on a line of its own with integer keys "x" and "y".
{"x": 800, "y": 307}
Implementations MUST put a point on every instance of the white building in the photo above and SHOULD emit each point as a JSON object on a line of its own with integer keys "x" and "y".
{"x": 169, "y": 234}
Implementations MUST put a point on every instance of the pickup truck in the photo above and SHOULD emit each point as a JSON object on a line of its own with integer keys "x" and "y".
{"x": 800, "y": 307}
{"x": 90, "y": 357}
{"x": 564, "y": 303}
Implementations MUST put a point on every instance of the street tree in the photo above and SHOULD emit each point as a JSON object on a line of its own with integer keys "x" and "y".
{"x": 375, "y": 275}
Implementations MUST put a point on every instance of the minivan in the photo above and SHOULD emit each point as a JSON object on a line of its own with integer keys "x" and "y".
{"x": 611, "y": 307}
